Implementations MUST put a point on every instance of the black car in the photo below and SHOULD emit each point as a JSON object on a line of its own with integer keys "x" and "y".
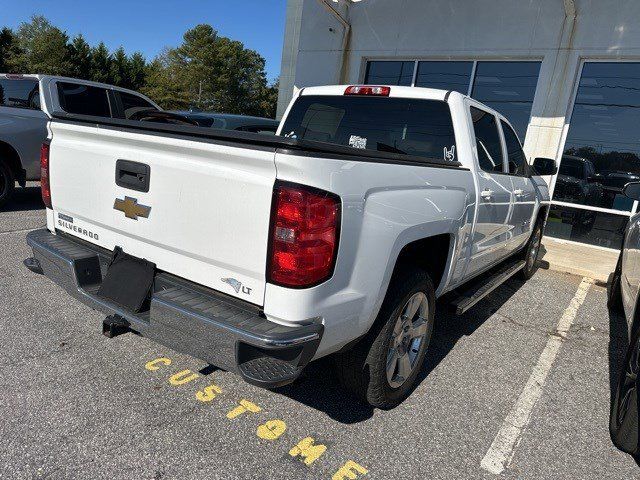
{"x": 243, "y": 123}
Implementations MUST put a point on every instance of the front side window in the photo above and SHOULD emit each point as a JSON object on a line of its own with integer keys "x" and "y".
{"x": 488, "y": 142}
{"x": 20, "y": 93}
{"x": 402, "y": 126}
{"x": 83, "y": 99}
{"x": 517, "y": 159}
{"x": 133, "y": 104}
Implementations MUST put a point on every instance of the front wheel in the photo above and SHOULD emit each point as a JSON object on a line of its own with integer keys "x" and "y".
{"x": 382, "y": 368}
{"x": 531, "y": 252}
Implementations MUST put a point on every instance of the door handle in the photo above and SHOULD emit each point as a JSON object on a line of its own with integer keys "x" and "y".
{"x": 132, "y": 175}
{"x": 486, "y": 194}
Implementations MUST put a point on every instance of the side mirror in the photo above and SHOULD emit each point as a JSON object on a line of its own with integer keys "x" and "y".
{"x": 545, "y": 166}
{"x": 632, "y": 190}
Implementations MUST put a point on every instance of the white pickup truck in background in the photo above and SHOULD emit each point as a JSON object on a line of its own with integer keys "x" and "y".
{"x": 26, "y": 103}
{"x": 334, "y": 237}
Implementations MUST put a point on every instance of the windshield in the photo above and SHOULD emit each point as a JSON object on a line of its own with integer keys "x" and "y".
{"x": 395, "y": 125}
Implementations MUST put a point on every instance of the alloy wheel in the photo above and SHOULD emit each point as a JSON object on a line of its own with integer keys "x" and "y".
{"x": 407, "y": 339}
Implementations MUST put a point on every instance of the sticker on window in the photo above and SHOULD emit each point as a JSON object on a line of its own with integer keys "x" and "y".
{"x": 357, "y": 142}
{"x": 450, "y": 155}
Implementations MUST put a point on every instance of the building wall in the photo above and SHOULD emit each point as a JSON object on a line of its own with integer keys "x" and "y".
{"x": 559, "y": 33}
{"x": 464, "y": 29}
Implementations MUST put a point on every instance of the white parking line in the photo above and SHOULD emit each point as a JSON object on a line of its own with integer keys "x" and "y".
{"x": 500, "y": 453}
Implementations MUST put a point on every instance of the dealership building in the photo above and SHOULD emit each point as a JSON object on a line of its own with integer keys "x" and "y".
{"x": 565, "y": 72}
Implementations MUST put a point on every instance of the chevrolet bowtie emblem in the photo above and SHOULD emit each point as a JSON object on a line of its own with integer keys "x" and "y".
{"x": 131, "y": 208}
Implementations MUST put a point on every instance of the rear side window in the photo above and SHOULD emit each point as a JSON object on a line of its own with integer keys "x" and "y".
{"x": 20, "y": 93}
{"x": 395, "y": 125}
{"x": 83, "y": 99}
{"x": 488, "y": 143}
{"x": 517, "y": 159}
{"x": 133, "y": 104}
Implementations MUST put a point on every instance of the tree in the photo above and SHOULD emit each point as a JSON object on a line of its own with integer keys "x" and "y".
{"x": 43, "y": 48}
{"x": 101, "y": 64}
{"x": 212, "y": 72}
{"x": 137, "y": 71}
{"x": 80, "y": 58}
{"x": 9, "y": 51}
{"x": 119, "y": 69}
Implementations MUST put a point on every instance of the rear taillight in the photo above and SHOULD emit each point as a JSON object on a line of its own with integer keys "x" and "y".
{"x": 44, "y": 175}
{"x": 304, "y": 236}
{"x": 368, "y": 90}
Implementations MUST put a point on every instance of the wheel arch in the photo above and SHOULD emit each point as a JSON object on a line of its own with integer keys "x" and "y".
{"x": 10, "y": 155}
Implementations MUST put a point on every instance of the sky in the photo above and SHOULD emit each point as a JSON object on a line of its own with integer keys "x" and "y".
{"x": 149, "y": 26}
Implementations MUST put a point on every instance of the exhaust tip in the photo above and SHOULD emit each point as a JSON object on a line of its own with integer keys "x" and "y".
{"x": 33, "y": 264}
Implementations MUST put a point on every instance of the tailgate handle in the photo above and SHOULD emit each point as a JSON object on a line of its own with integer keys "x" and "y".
{"x": 133, "y": 175}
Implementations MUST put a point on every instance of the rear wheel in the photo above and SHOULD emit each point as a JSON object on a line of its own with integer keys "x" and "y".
{"x": 7, "y": 183}
{"x": 382, "y": 368}
{"x": 531, "y": 252}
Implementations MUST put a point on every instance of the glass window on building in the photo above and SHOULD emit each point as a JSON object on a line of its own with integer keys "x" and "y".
{"x": 445, "y": 75}
{"x": 390, "y": 73}
{"x": 601, "y": 155}
{"x": 509, "y": 88}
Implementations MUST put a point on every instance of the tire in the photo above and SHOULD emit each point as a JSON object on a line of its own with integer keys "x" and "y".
{"x": 7, "y": 183}
{"x": 398, "y": 339}
{"x": 623, "y": 421}
{"x": 614, "y": 292}
{"x": 531, "y": 252}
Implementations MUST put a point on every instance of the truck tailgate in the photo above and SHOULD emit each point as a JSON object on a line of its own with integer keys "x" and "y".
{"x": 209, "y": 202}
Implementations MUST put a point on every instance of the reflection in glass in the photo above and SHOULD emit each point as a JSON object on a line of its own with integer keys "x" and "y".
{"x": 389, "y": 73}
{"x": 445, "y": 75}
{"x": 509, "y": 88}
{"x": 586, "y": 226}
{"x": 604, "y": 130}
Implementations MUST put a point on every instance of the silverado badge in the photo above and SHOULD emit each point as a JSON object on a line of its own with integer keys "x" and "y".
{"x": 131, "y": 208}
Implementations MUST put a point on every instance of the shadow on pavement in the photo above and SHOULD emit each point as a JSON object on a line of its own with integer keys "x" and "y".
{"x": 24, "y": 199}
{"x": 618, "y": 344}
{"x": 319, "y": 387}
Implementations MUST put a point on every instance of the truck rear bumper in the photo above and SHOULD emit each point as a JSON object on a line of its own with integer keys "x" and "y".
{"x": 186, "y": 317}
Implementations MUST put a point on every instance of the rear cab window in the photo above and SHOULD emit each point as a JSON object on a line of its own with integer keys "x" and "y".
{"x": 20, "y": 93}
{"x": 405, "y": 126}
{"x": 488, "y": 144}
{"x": 84, "y": 99}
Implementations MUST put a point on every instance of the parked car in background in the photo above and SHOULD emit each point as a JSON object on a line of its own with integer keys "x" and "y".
{"x": 25, "y": 112}
{"x": 243, "y": 123}
{"x": 624, "y": 297}
{"x": 577, "y": 182}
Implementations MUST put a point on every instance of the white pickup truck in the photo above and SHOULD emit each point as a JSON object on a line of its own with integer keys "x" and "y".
{"x": 263, "y": 253}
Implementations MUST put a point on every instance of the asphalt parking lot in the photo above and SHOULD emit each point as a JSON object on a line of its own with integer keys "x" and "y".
{"x": 74, "y": 404}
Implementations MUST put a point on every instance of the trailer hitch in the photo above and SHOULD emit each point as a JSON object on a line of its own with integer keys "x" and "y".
{"x": 114, "y": 325}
